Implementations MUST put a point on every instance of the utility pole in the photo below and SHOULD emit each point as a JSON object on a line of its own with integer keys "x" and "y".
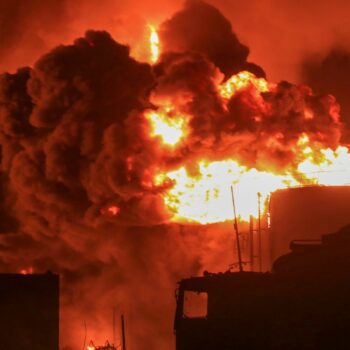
{"x": 123, "y": 333}
{"x": 259, "y": 231}
{"x": 251, "y": 241}
{"x": 114, "y": 326}
{"x": 235, "y": 225}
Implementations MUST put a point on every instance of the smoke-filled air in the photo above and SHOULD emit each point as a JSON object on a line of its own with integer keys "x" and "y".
{"x": 116, "y": 171}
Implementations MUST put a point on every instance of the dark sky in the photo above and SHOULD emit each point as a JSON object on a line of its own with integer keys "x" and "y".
{"x": 280, "y": 34}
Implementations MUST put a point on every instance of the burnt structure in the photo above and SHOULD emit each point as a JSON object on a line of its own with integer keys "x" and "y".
{"x": 302, "y": 304}
{"x": 29, "y": 311}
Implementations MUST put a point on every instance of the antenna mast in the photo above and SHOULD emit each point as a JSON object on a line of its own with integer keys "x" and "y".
{"x": 85, "y": 336}
{"x": 114, "y": 326}
{"x": 123, "y": 333}
{"x": 259, "y": 231}
{"x": 235, "y": 225}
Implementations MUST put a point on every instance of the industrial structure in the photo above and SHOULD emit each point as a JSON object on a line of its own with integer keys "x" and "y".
{"x": 304, "y": 213}
{"x": 295, "y": 293}
{"x": 299, "y": 213}
{"x": 302, "y": 304}
{"x": 29, "y": 311}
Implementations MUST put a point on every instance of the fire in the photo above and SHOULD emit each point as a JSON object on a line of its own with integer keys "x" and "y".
{"x": 202, "y": 195}
{"x": 110, "y": 210}
{"x": 205, "y": 197}
{"x": 241, "y": 81}
{"x": 27, "y": 271}
{"x": 113, "y": 210}
{"x": 154, "y": 44}
{"x": 332, "y": 167}
{"x": 167, "y": 125}
{"x": 108, "y": 346}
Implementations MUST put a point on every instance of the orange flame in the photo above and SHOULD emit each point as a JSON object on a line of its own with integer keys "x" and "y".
{"x": 241, "y": 81}
{"x": 331, "y": 168}
{"x": 154, "y": 44}
{"x": 27, "y": 271}
{"x": 167, "y": 125}
{"x": 204, "y": 197}
{"x": 111, "y": 210}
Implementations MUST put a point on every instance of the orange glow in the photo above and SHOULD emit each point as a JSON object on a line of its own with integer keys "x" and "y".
{"x": 167, "y": 125}
{"x": 329, "y": 168}
{"x": 201, "y": 193}
{"x": 91, "y": 346}
{"x": 27, "y": 271}
{"x": 241, "y": 81}
{"x": 154, "y": 44}
{"x": 206, "y": 198}
{"x": 111, "y": 210}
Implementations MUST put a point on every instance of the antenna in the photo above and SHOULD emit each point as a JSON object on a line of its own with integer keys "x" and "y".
{"x": 123, "y": 333}
{"x": 114, "y": 326}
{"x": 85, "y": 335}
{"x": 235, "y": 225}
{"x": 251, "y": 242}
{"x": 259, "y": 231}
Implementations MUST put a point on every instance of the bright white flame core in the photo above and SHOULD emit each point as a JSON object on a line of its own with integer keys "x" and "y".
{"x": 206, "y": 197}
{"x": 154, "y": 44}
{"x": 169, "y": 128}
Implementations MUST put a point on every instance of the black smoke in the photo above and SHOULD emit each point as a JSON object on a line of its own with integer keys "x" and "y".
{"x": 201, "y": 27}
{"x": 74, "y": 141}
{"x": 331, "y": 74}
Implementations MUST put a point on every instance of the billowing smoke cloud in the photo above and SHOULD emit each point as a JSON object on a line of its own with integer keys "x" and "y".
{"x": 201, "y": 27}
{"x": 30, "y": 29}
{"x": 67, "y": 123}
{"x": 278, "y": 33}
{"x": 75, "y": 142}
{"x": 70, "y": 128}
{"x": 331, "y": 74}
{"x": 258, "y": 132}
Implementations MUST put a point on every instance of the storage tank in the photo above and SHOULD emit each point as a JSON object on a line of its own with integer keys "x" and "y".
{"x": 305, "y": 213}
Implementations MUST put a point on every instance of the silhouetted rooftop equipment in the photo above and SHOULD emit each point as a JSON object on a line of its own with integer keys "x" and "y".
{"x": 29, "y": 311}
{"x": 303, "y": 304}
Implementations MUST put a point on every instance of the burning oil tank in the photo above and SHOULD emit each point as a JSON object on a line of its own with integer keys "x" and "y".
{"x": 29, "y": 311}
{"x": 305, "y": 213}
{"x": 302, "y": 304}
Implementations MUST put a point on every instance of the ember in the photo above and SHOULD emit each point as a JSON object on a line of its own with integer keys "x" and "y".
{"x": 107, "y": 346}
{"x": 28, "y": 271}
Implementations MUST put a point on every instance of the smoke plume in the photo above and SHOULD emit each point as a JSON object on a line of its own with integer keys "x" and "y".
{"x": 331, "y": 74}
{"x": 78, "y": 166}
{"x": 201, "y": 27}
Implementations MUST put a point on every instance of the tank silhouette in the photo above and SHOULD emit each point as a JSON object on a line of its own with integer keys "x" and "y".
{"x": 304, "y": 303}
